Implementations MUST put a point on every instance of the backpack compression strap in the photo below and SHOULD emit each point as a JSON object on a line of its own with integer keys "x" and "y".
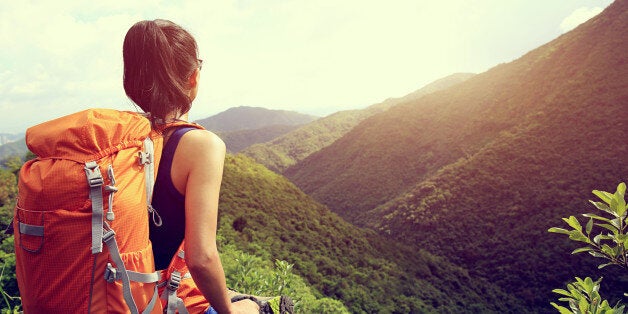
{"x": 95, "y": 182}
{"x": 101, "y": 232}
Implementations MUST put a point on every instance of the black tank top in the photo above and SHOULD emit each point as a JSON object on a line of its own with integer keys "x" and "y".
{"x": 170, "y": 205}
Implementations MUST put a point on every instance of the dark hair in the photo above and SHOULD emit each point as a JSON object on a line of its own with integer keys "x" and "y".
{"x": 159, "y": 57}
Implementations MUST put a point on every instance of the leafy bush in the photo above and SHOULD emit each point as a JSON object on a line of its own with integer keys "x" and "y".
{"x": 251, "y": 274}
{"x": 609, "y": 242}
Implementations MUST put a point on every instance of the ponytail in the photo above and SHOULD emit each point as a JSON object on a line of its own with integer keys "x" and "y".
{"x": 159, "y": 58}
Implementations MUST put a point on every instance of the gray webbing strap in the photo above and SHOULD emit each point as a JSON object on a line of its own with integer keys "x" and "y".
{"x": 31, "y": 229}
{"x": 153, "y": 301}
{"x": 110, "y": 239}
{"x": 144, "y": 277}
{"x": 95, "y": 181}
{"x": 174, "y": 302}
{"x": 148, "y": 160}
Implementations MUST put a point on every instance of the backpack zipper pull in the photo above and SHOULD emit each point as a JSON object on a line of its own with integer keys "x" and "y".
{"x": 111, "y": 189}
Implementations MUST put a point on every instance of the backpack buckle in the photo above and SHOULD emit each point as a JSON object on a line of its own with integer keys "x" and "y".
{"x": 94, "y": 177}
{"x": 108, "y": 235}
{"x": 145, "y": 158}
{"x": 175, "y": 280}
{"x": 111, "y": 274}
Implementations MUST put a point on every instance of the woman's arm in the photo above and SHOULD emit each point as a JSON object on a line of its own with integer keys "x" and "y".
{"x": 198, "y": 167}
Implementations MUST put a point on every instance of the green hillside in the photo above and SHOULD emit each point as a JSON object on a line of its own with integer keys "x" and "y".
{"x": 485, "y": 167}
{"x": 263, "y": 213}
{"x": 295, "y": 146}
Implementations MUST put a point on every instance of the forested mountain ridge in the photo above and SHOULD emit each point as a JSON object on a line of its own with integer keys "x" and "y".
{"x": 263, "y": 213}
{"x": 389, "y": 152}
{"x": 287, "y": 150}
{"x": 238, "y": 140}
{"x": 489, "y": 165}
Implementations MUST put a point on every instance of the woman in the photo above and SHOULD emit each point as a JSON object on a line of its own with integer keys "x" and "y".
{"x": 161, "y": 76}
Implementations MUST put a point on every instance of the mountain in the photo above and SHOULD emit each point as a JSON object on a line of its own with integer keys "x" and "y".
{"x": 9, "y": 137}
{"x": 295, "y": 146}
{"x": 241, "y": 139}
{"x": 479, "y": 172}
{"x": 16, "y": 147}
{"x": 249, "y": 118}
{"x": 265, "y": 214}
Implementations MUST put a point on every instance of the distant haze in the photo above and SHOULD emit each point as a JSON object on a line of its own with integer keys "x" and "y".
{"x": 314, "y": 57}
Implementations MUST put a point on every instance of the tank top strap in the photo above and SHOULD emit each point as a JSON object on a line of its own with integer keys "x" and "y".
{"x": 171, "y": 146}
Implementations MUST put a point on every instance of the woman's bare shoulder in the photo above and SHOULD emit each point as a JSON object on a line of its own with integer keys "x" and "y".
{"x": 203, "y": 143}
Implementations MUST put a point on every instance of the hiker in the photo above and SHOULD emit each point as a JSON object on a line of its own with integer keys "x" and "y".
{"x": 161, "y": 76}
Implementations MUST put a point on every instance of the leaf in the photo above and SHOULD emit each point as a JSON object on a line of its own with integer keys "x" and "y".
{"x": 561, "y": 309}
{"x": 620, "y": 202}
{"x": 562, "y": 292}
{"x": 558, "y": 230}
{"x": 606, "y": 249}
{"x": 573, "y": 222}
{"x": 611, "y": 228}
{"x": 601, "y": 237}
{"x": 597, "y": 254}
{"x": 589, "y": 226}
{"x": 621, "y": 189}
{"x": 588, "y": 285}
{"x": 582, "y": 249}
{"x": 604, "y": 196}
{"x": 583, "y": 305}
{"x": 603, "y": 207}
{"x": 604, "y": 265}
{"x": 578, "y": 236}
{"x": 594, "y": 216}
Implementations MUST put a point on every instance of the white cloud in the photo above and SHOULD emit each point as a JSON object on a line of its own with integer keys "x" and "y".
{"x": 578, "y": 17}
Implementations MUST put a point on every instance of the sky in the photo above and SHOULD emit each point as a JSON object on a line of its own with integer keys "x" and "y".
{"x": 314, "y": 57}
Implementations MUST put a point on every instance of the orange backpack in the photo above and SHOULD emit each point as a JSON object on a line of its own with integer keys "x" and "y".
{"x": 90, "y": 185}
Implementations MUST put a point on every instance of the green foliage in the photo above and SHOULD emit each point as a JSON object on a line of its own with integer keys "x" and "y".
{"x": 583, "y": 298}
{"x": 10, "y": 302}
{"x": 609, "y": 243}
{"x": 8, "y": 287}
{"x": 254, "y": 275}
